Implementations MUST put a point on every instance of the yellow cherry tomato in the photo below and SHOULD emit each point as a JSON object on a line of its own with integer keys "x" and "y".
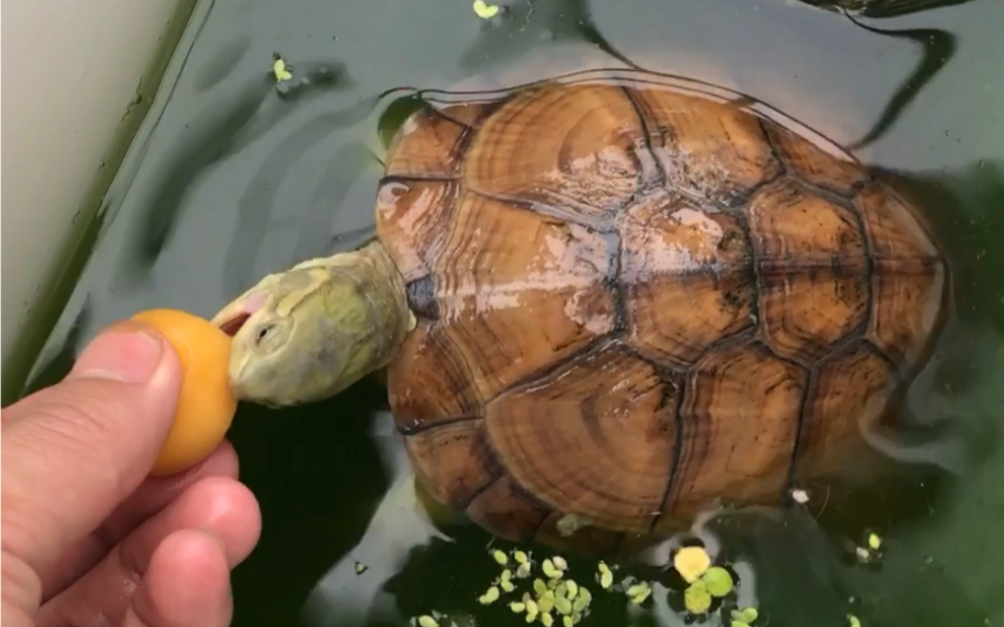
{"x": 206, "y": 406}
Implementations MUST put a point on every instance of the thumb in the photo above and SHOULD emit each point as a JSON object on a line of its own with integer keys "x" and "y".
{"x": 73, "y": 451}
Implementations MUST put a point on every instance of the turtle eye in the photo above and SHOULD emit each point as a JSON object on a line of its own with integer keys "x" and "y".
{"x": 267, "y": 337}
{"x": 262, "y": 333}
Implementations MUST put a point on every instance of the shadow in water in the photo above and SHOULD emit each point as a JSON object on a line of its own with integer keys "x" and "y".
{"x": 883, "y": 8}
{"x": 236, "y": 119}
{"x": 937, "y": 48}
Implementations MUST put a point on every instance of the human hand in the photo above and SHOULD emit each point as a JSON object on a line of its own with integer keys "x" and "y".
{"x": 88, "y": 538}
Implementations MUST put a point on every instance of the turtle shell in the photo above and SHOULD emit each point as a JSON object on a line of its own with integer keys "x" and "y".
{"x": 633, "y": 301}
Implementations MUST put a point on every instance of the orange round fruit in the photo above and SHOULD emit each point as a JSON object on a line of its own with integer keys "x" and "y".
{"x": 206, "y": 406}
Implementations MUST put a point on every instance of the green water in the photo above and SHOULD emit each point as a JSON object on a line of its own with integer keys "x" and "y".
{"x": 229, "y": 180}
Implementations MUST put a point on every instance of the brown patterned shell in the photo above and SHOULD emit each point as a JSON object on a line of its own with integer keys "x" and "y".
{"x": 632, "y": 301}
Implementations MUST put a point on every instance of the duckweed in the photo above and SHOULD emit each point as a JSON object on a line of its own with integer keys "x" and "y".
{"x": 691, "y": 562}
{"x": 490, "y": 596}
{"x": 718, "y": 581}
{"x": 550, "y": 570}
{"x": 605, "y": 576}
{"x": 484, "y": 10}
{"x": 697, "y": 598}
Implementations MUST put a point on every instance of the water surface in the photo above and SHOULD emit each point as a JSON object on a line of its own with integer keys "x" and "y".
{"x": 231, "y": 179}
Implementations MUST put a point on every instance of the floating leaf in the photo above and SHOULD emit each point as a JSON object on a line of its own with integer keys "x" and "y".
{"x": 718, "y": 580}
{"x": 874, "y": 542}
{"x": 639, "y": 592}
{"x": 531, "y": 609}
{"x": 517, "y": 606}
{"x": 520, "y": 557}
{"x": 853, "y": 621}
{"x": 559, "y": 562}
{"x": 691, "y": 562}
{"x": 484, "y": 10}
{"x": 696, "y": 597}
{"x": 745, "y": 615}
{"x": 427, "y": 621}
{"x": 550, "y": 570}
{"x": 561, "y": 590}
{"x": 490, "y": 596}
{"x": 546, "y": 619}
{"x": 545, "y": 603}
{"x": 571, "y": 589}
{"x": 563, "y": 605}
{"x": 500, "y": 557}
{"x": 606, "y": 577}
{"x": 280, "y": 69}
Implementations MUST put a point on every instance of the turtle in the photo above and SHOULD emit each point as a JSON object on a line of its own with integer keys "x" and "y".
{"x": 602, "y": 300}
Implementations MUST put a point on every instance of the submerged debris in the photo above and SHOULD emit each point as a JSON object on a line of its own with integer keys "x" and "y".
{"x": 800, "y": 496}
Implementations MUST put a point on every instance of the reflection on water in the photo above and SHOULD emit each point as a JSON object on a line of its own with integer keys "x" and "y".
{"x": 237, "y": 179}
{"x": 937, "y": 48}
{"x": 883, "y": 8}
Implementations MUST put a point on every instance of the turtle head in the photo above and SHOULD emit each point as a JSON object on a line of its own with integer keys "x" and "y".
{"x": 310, "y": 332}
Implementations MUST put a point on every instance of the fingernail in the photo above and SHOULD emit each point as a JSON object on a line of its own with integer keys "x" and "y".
{"x": 129, "y": 351}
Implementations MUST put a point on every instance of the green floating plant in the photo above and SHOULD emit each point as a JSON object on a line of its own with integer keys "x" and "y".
{"x": 697, "y": 597}
{"x": 484, "y": 10}
{"x": 718, "y": 580}
{"x": 744, "y": 617}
